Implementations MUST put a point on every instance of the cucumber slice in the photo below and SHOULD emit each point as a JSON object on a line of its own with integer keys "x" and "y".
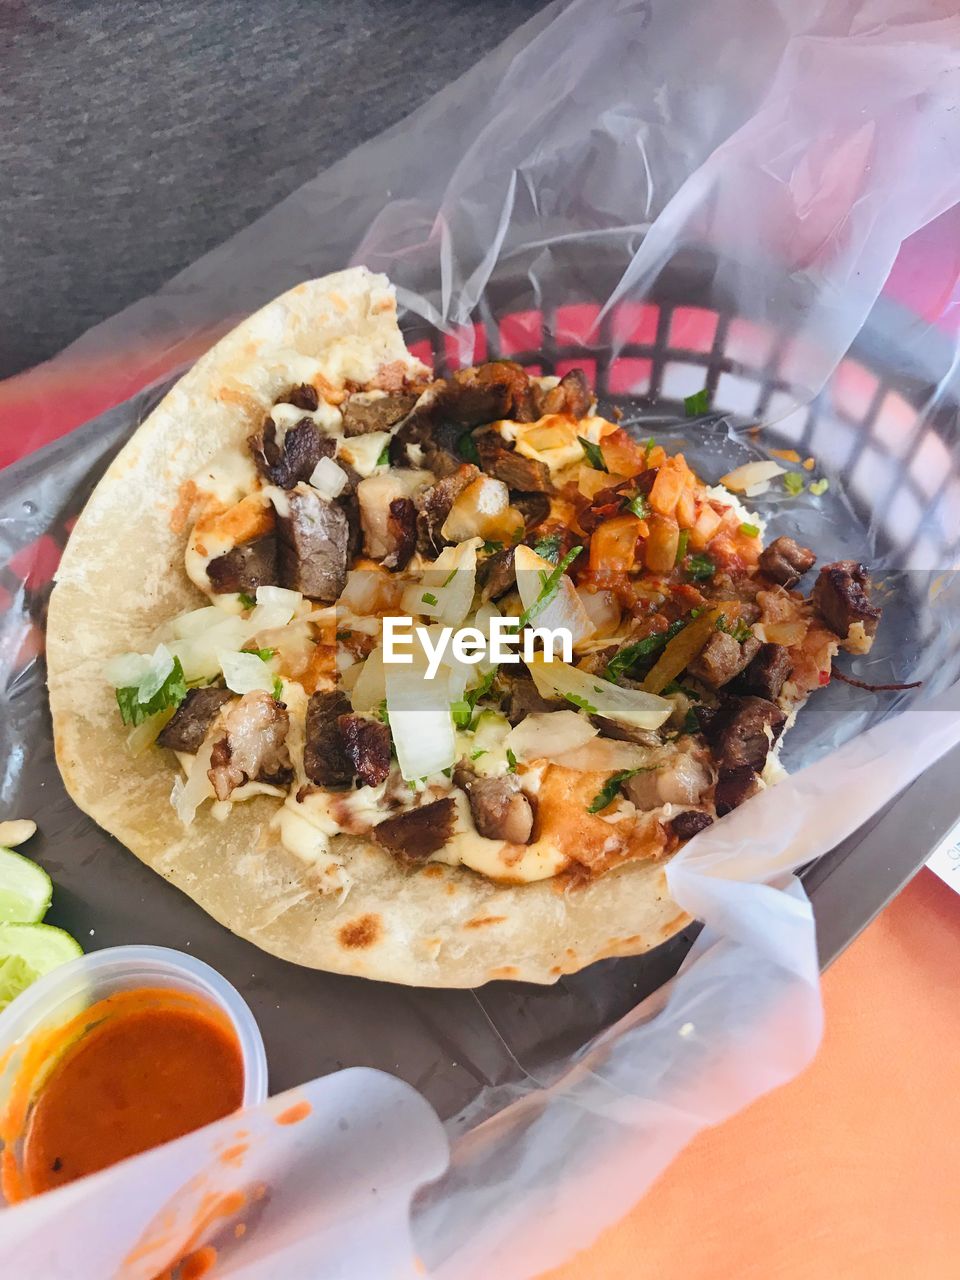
{"x": 25, "y": 889}
{"x": 41, "y": 947}
{"x": 15, "y": 976}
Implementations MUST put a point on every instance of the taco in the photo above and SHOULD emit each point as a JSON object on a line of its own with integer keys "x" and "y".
{"x": 217, "y": 680}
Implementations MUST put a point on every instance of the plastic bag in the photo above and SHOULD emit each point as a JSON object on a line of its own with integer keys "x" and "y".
{"x": 675, "y": 196}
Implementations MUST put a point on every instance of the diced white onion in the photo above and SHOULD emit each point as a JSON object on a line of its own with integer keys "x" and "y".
{"x": 444, "y": 595}
{"x": 244, "y": 672}
{"x": 198, "y": 653}
{"x": 370, "y": 688}
{"x": 196, "y": 622}
{"x": 138, "y": 670}
{"x": 742, "y": 479}
{"x": 546, "y": 734}
{"x": 328, "y": 479}
{"x": 189, "y": 794}
{"x": 420, "y": 722}
{"x": 362, "y": 452}
{"x": 604, "y": 755}
{"x": 564, "y": 610}
{"x": 598, "y": 696}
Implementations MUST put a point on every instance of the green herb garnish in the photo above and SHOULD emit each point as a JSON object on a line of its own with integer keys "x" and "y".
{"x": 610, "y": 790}
{"x": 739, "y": 629}
{"x": 170, "y": 694}
{"x": 277, "y": 689}
{"x": 489, "y": 548}
{"x": 475, "y": 755}
{"x": 819, "y": 486}
{"x": 550, "y": 586}
{"x": 467, "y": 448}
{"x": 682, "y": 545}
{"x": 696, "y": 404}
{"x": 793, "y": 483}
{"x": 473, "y": 696}
{"x": 448, "y": 579}
{"x": 548, "y": 547}
{"x": 248, "y": 602}
{"x": 631, "y": 654}
{"x": 700, "y": 567}
{"x": 594, "y": 454}
{"x": 384, "y": 456}
{"x": 691, "y": 721}
{"x": 639, "y": 506}
{"x": 263, "y": 654}
{"x": 381, "y": 712}
{"x": 582, "y": 703}
{"x": 649, "y": 447}
{"x": 429, "y": 598}
{"x": 511, "y": 761}
{"x": 750, "y": 530}
{"x": 461, "y": 712}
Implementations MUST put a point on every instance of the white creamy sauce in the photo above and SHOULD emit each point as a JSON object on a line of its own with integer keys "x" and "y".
{"x": 362, "y": 452}
{"x": 468, "y": 848}
{"x": 228, "y": 477}
{"x": 326, "y": 416}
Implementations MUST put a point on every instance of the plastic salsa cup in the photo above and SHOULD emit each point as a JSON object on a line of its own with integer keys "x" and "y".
{"x": 60, "y": 998}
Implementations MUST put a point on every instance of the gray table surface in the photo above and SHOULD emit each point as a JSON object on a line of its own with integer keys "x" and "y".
{"x": 138, "y": 135}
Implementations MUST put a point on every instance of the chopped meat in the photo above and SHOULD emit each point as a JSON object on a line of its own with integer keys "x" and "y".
{"x": 571, "y": 395}
{"x": 722, "y": 658}
{"x": 253, "y": 746}
{"x": 366, "y": 743}
{"x": 313, "y": 544}
{"x": 522, "y": 699}
{"x": 285, "y": 465}
{"x": 743, "y": 730}
{"x": 365, "y": 413}
{"x": 606, "y": 504}
{"x": 681, "y": 779}
{"x": 785, "y": 561}
{"x": 412, "y": 836}
{"x": 305, "y": 397}
{"x": 497, "y": 574}
{"x": 434, "y": 503}
{"x": 534, "y": 507}
{"x": 245, "y": 567}
{"x": 349, "y": 504}
{"x": 325, "y": 758}
{"x": 498, "y": 459}
{"x": 842, "y": 598}
{"x": 689, "y": 823}
{"x": 402, "y": 532}
{"x": 767, "y": 672}
{"x": 190, "y": 723}
{"x": 625, "y": 732}
{"x": 500, "y": 809}
{"x": 735, "y": 786}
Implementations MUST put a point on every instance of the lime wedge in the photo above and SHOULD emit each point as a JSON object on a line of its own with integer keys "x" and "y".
{"x": 41, "y": 947}
{"x": 15, "y": 976}
{"x": 25, "y": 889}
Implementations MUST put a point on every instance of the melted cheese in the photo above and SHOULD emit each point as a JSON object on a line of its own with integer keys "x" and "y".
{"x": 227, "y": 478}
{"x": 362, "y": 452}
{"x": 493, "y": 858}
{"x": 326, "y": 416}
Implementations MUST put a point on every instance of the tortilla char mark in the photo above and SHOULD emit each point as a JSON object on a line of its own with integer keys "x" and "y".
{"x": 359, "y": 934}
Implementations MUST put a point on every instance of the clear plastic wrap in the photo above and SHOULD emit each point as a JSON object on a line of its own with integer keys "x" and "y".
{"x": 676, "y": 196}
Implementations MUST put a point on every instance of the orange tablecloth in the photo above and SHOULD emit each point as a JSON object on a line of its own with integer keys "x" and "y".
{"x": 853, "y": 1169}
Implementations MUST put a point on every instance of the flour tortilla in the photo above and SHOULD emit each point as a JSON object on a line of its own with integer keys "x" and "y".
{"x": 122, "y": 576}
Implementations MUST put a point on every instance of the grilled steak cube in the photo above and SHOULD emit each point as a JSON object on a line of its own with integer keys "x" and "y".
{"x": 517, "y": 472}
{"x": 245, "y": 567}
{"x": 190, "y": 723}
{"x": 313, "y": 544}
{"x": 785, "y": 561}
{"x": 434, "y": 503}
{"x": 402, "y": 532}
{"x": 326, "y": 761}
{"x": 523, "y": 698}
{"x": 742, "y": 731}
{"x": 733, "y": 787}
{"x": 841, "y": 596}
{"x": 687, "y": 824}
{"x": 497, "y": 574}
{"x": 767, "y": 672}
{"x": 372, "y": 412}
{"x": 572, "y": 395}
{"x": 499, "y": 807}
{"x": 412, "y": 836}
{"x": 722, "y": 658}
{"x": 305, "y": 396}
{"x": 366, "y": 744}
{"x": 287, "y": 464}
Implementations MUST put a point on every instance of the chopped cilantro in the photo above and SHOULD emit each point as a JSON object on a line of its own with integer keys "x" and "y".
{"x": 819, "y": 486}
{"x": 551, "y": 584}
{"x": 593, "y": 453}
{"x": 793, "y": 483}
{"x": 511, "y": 761}
{"x": 447, "y": 773}
{"x": 682, "y": 545}
{"x": 384, "y": 456}
{"x": 170, "y": 694}
{"x": 631, "y": 654}
{"x": 449, "y": 578}
{"x": 248, "y": 602}
{"x": 381, "y": 712}
{"x": 475, "y": 755}
{"x": 639, "y": 506}
{"x": 277, "y": 689}
{"x": 674, "y": 687}
{"x": 700, "y": 567}
{"x": 467, "y": 448}
{"x": 263, "y": 654}
{"x": 461, "y": 712}
{"x": 649, "y": 447}
{"x": 429, "y": 598}
{"x": 696, "y": 404}
{"x": 750, "y": 530}
{"x": 739, "y": 629}
{"x": 548, "y": 547}
{"x": 489, "y": 548}
{"x": 691, "y": 721}
{"x": 412, "y": 784}
{"x": 610, "y": 789}
{"x": 518, "y": 534}
{"x": 473, "y": 696}
{"x": 582, "y": 703}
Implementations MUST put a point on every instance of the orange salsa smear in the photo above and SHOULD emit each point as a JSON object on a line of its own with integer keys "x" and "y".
{"x": 135, "y": 1070}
